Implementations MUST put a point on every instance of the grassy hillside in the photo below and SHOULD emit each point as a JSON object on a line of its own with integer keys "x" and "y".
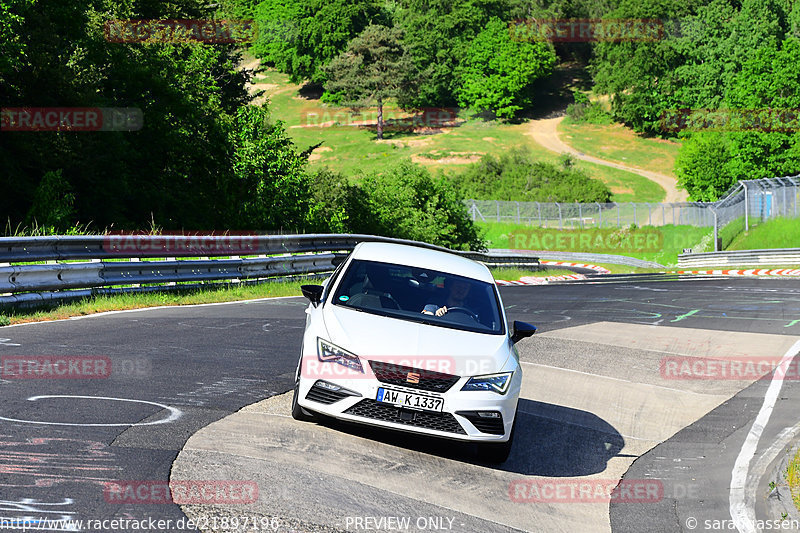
{"x": 614, "y": 142}
{"x": 775, "y": 233}
{"x": 349, "y": 144}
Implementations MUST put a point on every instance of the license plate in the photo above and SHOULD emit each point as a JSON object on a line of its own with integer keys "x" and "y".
{"x": 410, "y": 400}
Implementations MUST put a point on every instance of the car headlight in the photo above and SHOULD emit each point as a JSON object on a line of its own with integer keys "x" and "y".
{"x": 492, "y": 382}
{"x": 330, "y": 353}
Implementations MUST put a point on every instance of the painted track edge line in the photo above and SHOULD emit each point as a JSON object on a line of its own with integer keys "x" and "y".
{"x": 743, "y": 515}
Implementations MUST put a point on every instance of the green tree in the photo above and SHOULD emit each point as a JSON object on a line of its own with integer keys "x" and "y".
{"x": 335, "y": 203}
{"x": 693, "y": 64}
{"x": 185, "y": 168}
{"x": 702, "y": 166}
{"x": 12, "y": 46}
{"x": 374, "y": 67}
{"x": 270, "y": 186}
{"x": 437, "y": 34}
{"x": 761, "y": 140}
{"x": 499, "y": 68}
{"x": 406, "y": 202}
{"x": 301, "y": 36}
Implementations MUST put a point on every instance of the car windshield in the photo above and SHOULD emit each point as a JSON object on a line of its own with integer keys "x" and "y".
{"x": 420, "y": 295}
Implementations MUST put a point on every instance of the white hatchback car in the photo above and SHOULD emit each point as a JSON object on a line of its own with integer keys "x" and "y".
{"x": 412, "y": 339}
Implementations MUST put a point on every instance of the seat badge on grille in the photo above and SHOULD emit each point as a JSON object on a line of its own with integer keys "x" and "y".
{"x": 412, "y": 377}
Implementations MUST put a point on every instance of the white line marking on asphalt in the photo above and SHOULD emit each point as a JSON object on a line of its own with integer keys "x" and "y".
{"x": 743, "y": 515}
{"x": 5, "y": 342}
{"x": 174, "y": 413}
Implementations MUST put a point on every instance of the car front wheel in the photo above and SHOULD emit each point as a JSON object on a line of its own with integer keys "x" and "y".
{"x": 497, "y": 452}
{"x": 298, "y": 413}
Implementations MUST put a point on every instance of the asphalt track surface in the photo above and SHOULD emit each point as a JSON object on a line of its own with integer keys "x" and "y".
{"x": 176, "y": 370}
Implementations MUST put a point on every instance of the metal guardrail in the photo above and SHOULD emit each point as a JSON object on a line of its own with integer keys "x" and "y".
{"x": 780, "y": 256}
{"x": 107, "y": 261}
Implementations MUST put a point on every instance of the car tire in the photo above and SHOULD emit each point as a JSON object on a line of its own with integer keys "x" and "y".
{"x": 497, "y": 452}
{"x": 298, "y": 413}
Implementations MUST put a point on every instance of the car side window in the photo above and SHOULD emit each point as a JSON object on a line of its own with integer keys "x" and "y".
{"x": 332, "y": 281}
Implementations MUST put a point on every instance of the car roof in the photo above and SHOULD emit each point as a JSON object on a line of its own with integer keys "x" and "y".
{"x": 401, "y": 254}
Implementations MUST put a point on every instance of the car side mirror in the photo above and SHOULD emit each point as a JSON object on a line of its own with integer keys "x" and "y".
{"x": 522, "y": 330}
{"x": 313, "y": 293}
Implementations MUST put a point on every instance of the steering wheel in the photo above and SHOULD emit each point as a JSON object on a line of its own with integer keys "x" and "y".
{"x": 465, "y": 311}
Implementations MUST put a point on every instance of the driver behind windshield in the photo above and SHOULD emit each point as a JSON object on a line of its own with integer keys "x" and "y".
{"x": 457, "y": 293}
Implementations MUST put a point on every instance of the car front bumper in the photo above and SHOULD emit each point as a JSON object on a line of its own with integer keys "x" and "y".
{"x": 481, "y": 416}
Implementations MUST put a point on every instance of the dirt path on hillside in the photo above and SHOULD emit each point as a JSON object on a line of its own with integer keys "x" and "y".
{"x": 544, "y": 131}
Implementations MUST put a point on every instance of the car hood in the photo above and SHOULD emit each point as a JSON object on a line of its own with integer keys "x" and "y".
{"x": 408, "y": 343}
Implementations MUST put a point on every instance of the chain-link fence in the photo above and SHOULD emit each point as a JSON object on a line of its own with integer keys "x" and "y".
{"x": 750, "y": 202}
{"x": 747, "y": 203}
{"x": 594, "y": 215}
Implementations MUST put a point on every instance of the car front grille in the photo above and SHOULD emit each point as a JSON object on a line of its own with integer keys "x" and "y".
{"x": 429, "y": 380}
{"x": 491, "y": 425}
{"x": 420, "y": 419}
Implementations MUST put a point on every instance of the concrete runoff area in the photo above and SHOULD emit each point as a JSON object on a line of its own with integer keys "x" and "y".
{"x": 594, "y": 398}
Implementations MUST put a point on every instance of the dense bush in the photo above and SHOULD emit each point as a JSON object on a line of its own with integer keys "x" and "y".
{"x": 406, "y": 202}
{"x": 585, "y": 111}
{"x": 516, "y": 176}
